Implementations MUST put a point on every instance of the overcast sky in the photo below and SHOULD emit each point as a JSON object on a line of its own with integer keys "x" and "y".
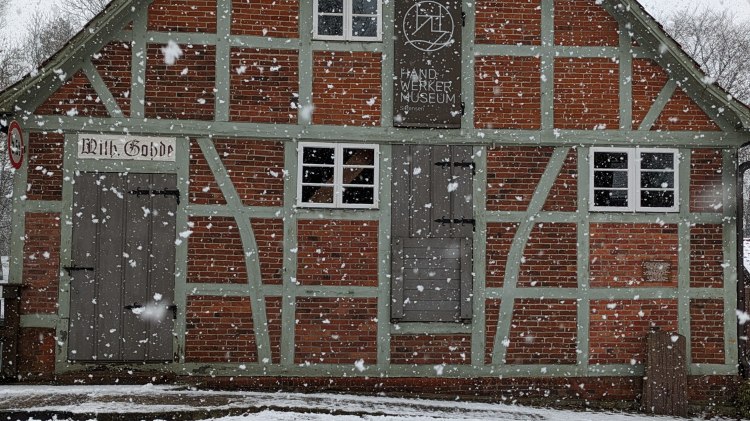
{"x": 21, "y": 10}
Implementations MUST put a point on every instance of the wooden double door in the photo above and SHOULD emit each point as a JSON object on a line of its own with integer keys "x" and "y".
{"x": 432, "y": 233}
{"x": 122, "y": 267}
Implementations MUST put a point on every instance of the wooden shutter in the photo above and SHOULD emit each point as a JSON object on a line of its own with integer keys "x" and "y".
{"x": 432, "y": 230}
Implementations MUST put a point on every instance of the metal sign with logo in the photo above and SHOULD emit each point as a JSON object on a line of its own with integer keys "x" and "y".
{"x": 137, "y": 148}
{"x": 15, "y": 144}
{"x": 427, "y": 79}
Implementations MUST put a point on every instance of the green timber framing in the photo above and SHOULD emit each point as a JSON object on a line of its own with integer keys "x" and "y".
{"x": 731, "y": 116}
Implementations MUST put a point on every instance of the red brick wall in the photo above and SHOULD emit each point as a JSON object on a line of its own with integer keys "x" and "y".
{"x": 184, "y": 90}
{"x": 682, "y": 113}
{"x": 618, "y": 252}
{"x": 256, "y": 169}
{"x": 36, "y": 353}
{"x": 513, "y": 174}
{"x": 76, "y": 97}
{"x": 707, "y": 331}
{"x": 563, "y": 197}
{"x": 45, "y": 176}
{"x": 618, "y": 329}
{"x": 268, "y": 18}
{"x": 431, "y": 349}
{"x": 491, "y": 318}
{"x": 551, "y": 257}
{"x": 543, "y": 332}
{"x": 508, "y": 22}
{"x": 648, "y": 80}
{"x": 587, "y": 93}
{"x": 344, "y": 86}
{"x": 113, "y": 64}
{"x": 706, "y": 192}
{"x": 499, "y": 239}
{"x": 269, "y": 235}
{"x": 263, "y": 85}
{"x": 273, "y": 320}
{"x": 336, "y": 330}
{"x": 204, "y": 190}
{"x": 579, "y": 392}
{"x": 41, "y": 263}
{"x": 584, "y": 23}
{"x": 182, "y": 16}
{"x": 337, "y": 253}
{"x": 507, "y": 93}
{"x": 219, "y": 329}
{"x": 706, "y": 256}
{"x": 215, "y": 253}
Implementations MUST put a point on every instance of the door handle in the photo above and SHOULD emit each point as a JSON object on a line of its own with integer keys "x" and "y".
{"x": 133, "y": 306}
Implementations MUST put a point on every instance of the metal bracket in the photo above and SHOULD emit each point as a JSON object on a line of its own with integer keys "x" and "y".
{"x": 71, "y": 269}
{"x": 461, "y": 221}
{"x": 166, "y": 193}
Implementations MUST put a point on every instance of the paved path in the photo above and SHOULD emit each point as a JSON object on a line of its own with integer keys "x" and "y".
{"x": 152, "y": 402}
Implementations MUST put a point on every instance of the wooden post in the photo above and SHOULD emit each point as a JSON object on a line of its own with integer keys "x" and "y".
{"x": 665, "y": 381}
{"x": 9, "y": 327}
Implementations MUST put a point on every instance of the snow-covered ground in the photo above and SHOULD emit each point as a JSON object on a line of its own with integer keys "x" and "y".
{"x": 68, "y": 401}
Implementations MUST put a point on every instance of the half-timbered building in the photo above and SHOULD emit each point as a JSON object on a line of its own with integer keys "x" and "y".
{"x": 485, "y": 198}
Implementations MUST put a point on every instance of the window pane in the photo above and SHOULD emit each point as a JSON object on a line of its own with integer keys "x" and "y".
{"x": 330, "y": 25}
{"x": 611, "y": 198}
{"x": 359, "y": 157}
{"x": 657, "y": 199}
{"x": 359, "y": 176}
{"x": 613, "y": 160}
{"x": 321, "y": 175}
{"x": 657, "y": 180}
{"x": 611, "y": 179}
{"x": 657, "y": 161}
{"x": 314, "y": 194}
{"x": 365, "y": 7}
{"x": 312, "y": 155}
{"x": 358, "y": 195}
{"x": 330, "y": 6}
{"x": 364, "y": 27}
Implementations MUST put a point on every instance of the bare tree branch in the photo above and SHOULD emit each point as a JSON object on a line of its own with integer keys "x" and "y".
{"x": 719, "y": 44}
{"x": 82, "y": 11}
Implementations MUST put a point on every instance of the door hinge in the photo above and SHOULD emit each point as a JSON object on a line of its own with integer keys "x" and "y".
{"x": 463, "y": 108}
{"x": 461, "y": 221}
{"x": 463, "y": 18}
{"x": 71, "y": 269}
{"x": 444, "y": 164}
{"x": 165, "y": 192}
{"x": 467, "y": 165}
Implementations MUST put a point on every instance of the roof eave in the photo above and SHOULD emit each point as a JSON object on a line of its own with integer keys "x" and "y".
{"x": 10, "y": 96}
{"x": 636, "y": 10}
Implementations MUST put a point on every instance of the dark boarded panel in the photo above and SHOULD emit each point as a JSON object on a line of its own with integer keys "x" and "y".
{"x": 81, "y": 344}
{"x": 161, "y": 276}
{"x": 427, "y": 70}
{"x": 665, "y": 382}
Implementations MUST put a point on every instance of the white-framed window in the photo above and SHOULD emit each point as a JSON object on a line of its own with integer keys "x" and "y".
{"x": 634, "y": 179}
{"x": 347, "y": 20}
{"x": 337, "y": 175}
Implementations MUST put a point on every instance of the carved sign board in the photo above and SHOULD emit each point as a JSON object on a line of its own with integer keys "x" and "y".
{"x": 427, "y": 68}
{"x": 134, "y": 148}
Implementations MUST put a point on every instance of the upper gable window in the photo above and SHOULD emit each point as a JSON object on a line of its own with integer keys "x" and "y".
{"x": 347, "y": 20}
{"x": 634, "y": 179}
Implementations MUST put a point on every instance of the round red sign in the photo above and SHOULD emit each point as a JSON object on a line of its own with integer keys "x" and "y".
{"x": 15, "y": 144}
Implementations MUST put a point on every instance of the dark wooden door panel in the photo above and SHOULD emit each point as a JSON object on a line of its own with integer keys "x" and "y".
{"x": 83, "y": 286}
{"x": 123, "y": 230}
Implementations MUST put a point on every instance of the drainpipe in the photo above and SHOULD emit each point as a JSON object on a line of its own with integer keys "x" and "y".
{"x": 742, "y": 304}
